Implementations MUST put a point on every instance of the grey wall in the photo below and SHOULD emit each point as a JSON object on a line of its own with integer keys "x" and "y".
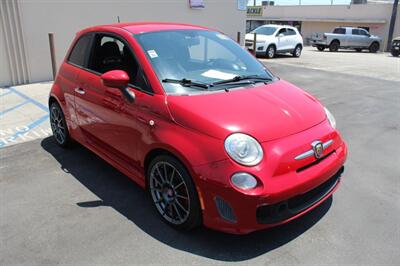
{"x": 65, "y": 18}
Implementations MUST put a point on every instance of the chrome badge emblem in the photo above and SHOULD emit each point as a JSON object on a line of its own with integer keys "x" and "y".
{"x": 318, "y": 148}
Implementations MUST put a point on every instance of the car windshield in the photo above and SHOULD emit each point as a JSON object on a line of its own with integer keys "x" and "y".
{"x": 265, "y": 30}
{"x": 188, "y": 61}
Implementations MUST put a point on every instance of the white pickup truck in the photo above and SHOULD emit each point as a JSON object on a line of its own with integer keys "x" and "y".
{"x": 346, "y": 38}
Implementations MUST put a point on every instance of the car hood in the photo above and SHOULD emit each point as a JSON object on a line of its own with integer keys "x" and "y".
{"x": 266, "y": 112}
{"x": 260, "y": 37}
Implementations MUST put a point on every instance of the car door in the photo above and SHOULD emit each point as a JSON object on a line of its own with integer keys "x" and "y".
{"x": 69, "y": 73}
{"x": 364, "y": 38}
{"x": 281, "y": 40}
{"x": 109, "y": 122}
{"x": 291, "y": 38}
{"x": 356, "y": 39}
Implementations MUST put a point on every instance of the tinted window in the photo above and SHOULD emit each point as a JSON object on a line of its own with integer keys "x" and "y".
{"x": 281, "y": 31}
{"x": 290, "y": 32}
{"x": 355, "y": 32}
{"x": 339, "y": 31}
{"x": 265, "y": 30}
{"x": 79, "y": 51}
{"x": 110, "y": 53}
{"x": 364, "y": 32}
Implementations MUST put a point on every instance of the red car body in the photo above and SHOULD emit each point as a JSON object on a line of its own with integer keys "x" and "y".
{"x": 283, "y": 118}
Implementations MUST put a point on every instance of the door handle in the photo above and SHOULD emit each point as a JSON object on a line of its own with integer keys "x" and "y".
{"x": 80, "y": 91}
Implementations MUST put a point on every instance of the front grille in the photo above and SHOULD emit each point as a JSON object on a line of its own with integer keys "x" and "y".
{"x": 314, "y": 163}
{"x": 249, "y": 43}
{"x": 268, "y": 214}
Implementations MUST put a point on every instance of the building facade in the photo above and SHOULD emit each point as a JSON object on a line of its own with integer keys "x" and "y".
{"x": 25, "y": 24}
{"x": 375, "y": 17}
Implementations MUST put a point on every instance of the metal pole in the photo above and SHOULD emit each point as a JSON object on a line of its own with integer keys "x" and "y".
{"x": 52, "y": 54}
{"x": 238, "y": 37}
{"x": 254, "y": 43}
{"x": 392, "y": 23}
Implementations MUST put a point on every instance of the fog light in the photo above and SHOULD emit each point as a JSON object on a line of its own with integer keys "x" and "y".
{"x": 244, "y": 181}
{"x": 260, "y": 48}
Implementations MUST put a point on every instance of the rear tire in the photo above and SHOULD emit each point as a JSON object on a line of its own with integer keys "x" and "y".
{"x": 334, "y": 46}
{"x": 297, "y": 51}
{"x": 59, "y": 126}
{"x": 271, "y": 51}
{"x": 320, "y": 48}
{"x": 374, "y": 47}
{"x": 173, "y": 193}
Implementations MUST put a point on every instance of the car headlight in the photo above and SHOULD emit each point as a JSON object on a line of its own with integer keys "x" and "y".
{"x": 243, "y": 149}
{"x": 330, "y": 117}
{"x": 244, "y": 181}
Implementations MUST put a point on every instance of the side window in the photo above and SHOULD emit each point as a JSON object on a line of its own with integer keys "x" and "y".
{"x": 79, "y": 52}
{"x": 355, "y": 32}
{"x": 111, "y": 53}
{"x": 339, "y": 31}
{"x": 290, "y": 32}
{"x": 281, "y": 31}
{"x": 364, "y": 32}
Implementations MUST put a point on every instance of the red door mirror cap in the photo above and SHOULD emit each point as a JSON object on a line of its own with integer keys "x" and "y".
{"x": 115, "y": 79}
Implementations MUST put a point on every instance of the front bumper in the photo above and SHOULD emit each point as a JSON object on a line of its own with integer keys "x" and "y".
{"x": 315, "y": 43}
{"x": 260, "y": 46}
{"x": 282, "y": 182}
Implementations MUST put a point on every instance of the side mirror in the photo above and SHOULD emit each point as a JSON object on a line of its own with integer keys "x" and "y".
{"x": 280, "y": 35}
{"x": 118, "y": 79}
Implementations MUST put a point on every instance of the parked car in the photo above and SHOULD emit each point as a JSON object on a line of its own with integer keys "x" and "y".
{"x": 185, "y": 112}
{"x": 275, "y": 39}
{"x": 395, "y": 50}
{"x": 346, "y": 38}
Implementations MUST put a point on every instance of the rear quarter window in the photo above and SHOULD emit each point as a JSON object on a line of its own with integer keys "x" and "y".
{"x": 79, "y": 52}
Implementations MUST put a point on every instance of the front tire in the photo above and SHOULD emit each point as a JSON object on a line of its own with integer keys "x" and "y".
{"x": 271, "y": 51}
{"x": 395, "y": 53}
{"x": 173, "y": 193}
{"x": 374, "y": 47}
{"x": 358, "y": 50}
{"x": 59, "y": 125}
{"x": 297, "y": 51}
{"x": 334, "y": 46}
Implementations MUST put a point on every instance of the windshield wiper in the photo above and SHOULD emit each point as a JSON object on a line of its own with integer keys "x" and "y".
{"x": 241, "y": 78}
{"x": 187, "y": 83}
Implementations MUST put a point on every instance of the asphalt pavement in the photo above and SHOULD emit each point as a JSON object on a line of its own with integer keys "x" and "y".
{"x": 70, "y": 207}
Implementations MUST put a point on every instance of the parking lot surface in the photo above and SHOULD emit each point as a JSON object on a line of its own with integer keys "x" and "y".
{"x": 70, "y": 207}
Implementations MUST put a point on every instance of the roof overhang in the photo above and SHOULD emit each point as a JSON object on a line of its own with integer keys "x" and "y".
{"x": 368, "y": 21}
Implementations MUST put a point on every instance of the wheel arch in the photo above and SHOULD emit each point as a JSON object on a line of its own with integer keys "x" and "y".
{"x": 165, "y": 150}
{"x": 335, "y": 40}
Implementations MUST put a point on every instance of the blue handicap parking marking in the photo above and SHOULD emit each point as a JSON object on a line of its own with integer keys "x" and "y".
{"x": 13, "y": 108}
{"x": 25, "y": 130}
{"x": 22, "y": 132}
{"x": 5, "y": 93}
{"x": 38, "y": 104}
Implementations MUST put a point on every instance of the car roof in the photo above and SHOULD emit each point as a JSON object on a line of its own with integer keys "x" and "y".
{"x": 143, "y": 27}
{"x": 278, "y": 26}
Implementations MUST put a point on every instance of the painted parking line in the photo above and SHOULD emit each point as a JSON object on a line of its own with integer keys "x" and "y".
{"x": 38, "y": 104}
{"x": 28, "y": 131}
{"x": 14, "y": 108}
{"x": 5, "y": 93}
{"x": 23, "y": 133}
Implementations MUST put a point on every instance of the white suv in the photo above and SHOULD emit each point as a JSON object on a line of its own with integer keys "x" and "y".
{"x": 273, "y": 39}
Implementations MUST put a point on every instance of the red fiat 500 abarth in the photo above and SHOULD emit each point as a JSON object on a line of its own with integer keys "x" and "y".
{"x": 188, "y": 114}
